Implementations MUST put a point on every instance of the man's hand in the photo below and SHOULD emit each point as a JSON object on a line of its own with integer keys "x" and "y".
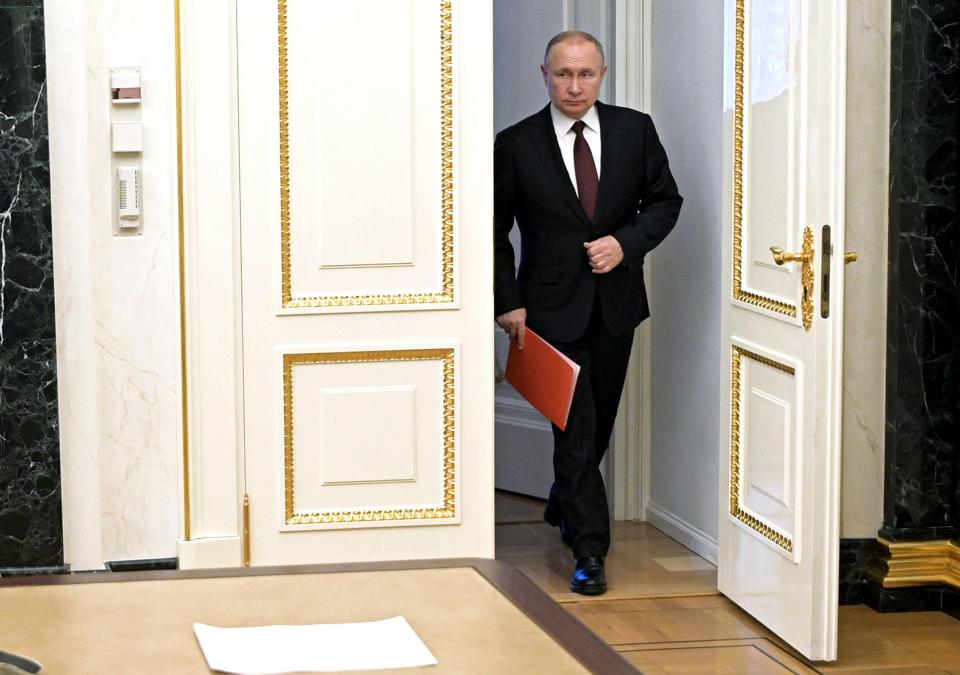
{"x": 514, "y": 322}
{"x": 604, "y": 253}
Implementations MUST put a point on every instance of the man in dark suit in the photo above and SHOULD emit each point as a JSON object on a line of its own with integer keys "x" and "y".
{"x": 591, "y": 191}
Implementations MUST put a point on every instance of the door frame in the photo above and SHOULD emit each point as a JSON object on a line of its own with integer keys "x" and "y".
{"x": 632, "y": 434}
{"x": 212, "y": 481}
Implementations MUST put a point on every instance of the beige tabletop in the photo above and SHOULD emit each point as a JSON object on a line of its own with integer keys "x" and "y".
{"x": 465, "y": 617}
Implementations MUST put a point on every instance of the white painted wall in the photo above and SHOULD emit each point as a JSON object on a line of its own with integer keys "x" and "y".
{"x": 687, "y": 101}
{"x": 116, "y": 297}
{"x": 521, "y": 29}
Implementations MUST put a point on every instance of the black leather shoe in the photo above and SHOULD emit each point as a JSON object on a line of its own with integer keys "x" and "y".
{"x": 589, "y": 577}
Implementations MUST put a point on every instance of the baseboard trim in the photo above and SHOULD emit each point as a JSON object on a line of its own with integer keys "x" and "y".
{"x": 518, "y": 413}
{"x": 34, "y": 571}
{"x": 677, "y": 528}
{"x": 210, "y": 552}
{"x": 859, "y": 559}
{"x": 910, "y": 564}
{"x": 142, "y": 564}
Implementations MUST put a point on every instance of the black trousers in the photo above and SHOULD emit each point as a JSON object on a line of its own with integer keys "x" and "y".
{"x": 578, "y": 499}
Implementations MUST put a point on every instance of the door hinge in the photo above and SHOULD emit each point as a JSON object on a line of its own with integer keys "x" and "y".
{"x": 246, "y": 530}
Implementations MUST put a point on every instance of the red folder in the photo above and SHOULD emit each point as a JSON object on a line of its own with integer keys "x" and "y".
{"x": 543, "y": 375}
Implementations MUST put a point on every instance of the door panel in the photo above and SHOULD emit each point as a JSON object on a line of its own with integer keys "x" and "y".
{"x": 362, "y": 177}
{"x": 779, "y": 522}
{"x": 772, "y": 165}
{"x": 369, "y": 438}
{"x": 370, "y": 136}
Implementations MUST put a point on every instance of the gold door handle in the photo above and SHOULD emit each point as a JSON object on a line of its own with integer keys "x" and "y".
{"x": 780, "y": 256}
{"x": 806, "y": 273}
{"x": 850, "y": 257}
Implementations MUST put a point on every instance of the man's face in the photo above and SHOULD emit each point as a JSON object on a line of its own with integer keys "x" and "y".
{"x": 574, "y": 76}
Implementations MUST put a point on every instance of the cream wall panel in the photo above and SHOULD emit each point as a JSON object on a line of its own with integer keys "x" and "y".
{"x": 70, "y": 158}
{"x": 115, "y": 295}
{"x": 865, "y": 302}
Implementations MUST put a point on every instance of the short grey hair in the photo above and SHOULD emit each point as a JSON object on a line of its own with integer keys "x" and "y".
{"x": 578, "y": 35}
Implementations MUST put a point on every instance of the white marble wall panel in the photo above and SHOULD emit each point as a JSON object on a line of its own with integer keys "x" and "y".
{"x": 865, "y": 291}
{"x": 117, "y": 314}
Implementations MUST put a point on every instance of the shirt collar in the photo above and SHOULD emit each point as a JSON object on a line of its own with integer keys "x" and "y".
{"x": 562, "y": 124}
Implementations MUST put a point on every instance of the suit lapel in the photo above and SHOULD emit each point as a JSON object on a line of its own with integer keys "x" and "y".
{"x": 552, "y": 162}
{"x": 609, "y": 159}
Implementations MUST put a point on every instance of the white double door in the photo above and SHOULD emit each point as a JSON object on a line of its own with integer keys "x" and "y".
{"x": 337, "y": 204}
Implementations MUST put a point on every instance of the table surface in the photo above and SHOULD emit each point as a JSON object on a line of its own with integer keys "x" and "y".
{"x": 475, "y": 616}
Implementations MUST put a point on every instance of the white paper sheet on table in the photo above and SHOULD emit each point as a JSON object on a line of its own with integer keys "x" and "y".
{"x": 328, "y": 648}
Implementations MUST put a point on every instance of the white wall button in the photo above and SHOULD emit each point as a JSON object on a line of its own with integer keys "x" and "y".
{"x": 127, "y": 137}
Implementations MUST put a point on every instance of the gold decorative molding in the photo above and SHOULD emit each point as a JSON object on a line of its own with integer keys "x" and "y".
{"x": 739, "y": 293}
{"x": 447, "y": 508}
{"x": 184, "y": 401}
{"x": 736, "y": 509}
{"x": 919, "y": 563}
{"x": 446, "y": 292}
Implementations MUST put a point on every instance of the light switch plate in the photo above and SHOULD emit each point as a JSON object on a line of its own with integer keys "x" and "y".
{"x": 127, "y": 137}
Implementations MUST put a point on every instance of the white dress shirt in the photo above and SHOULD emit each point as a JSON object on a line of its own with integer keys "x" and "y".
{"x": 563, "y": 126}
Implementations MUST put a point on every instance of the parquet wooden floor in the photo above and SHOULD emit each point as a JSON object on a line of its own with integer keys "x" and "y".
{"x": 663, "y": 610}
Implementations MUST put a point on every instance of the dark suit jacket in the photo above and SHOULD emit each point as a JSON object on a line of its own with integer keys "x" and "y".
{"x": 638, "y": 203}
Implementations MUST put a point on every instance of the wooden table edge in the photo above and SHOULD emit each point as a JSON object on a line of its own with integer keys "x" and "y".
{"x": 578, "y": 640}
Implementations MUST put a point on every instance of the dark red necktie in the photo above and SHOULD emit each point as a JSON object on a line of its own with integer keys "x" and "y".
{"x": 588, "y": 185}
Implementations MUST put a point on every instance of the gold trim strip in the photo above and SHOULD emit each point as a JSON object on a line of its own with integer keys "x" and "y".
{"x": 921, "y": 563}
{"x": 446, "y": 510}
{"x": 736, "y": 509}
{"x": 754, "y": 299}
{"x": 184, "y": 407}
{"x": 246, "y": 530}
{"x": 284, "y": 152}
{"x": 446, "y": 293}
